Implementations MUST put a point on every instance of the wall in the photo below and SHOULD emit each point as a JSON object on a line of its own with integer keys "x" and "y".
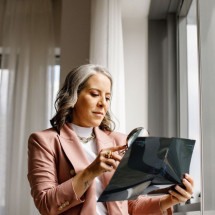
{"x": 75, "y": 34}
{"x": 157, "y": 66}
{"x": 135, "y": 35}
{"x": 57, "y": 10}
{"x": 2, "y": 3}
{"x": 162, "y": 77}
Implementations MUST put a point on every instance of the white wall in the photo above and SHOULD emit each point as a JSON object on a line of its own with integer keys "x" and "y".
{"x": 135, "y": 31}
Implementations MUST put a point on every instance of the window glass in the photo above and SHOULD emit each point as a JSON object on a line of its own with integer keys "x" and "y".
{"x": 193, "y": 97}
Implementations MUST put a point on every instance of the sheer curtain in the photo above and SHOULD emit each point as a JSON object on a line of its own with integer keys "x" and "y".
{"x": 25, "y": 89}
{"x": 106, "y": 48}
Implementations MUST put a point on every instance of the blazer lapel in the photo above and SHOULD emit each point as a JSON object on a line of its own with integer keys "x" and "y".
{"x": 103, "y": 140}
{"x": 72, "y": 148}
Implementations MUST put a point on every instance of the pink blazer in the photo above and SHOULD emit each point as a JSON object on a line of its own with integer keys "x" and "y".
{"x": 54, "y": 159}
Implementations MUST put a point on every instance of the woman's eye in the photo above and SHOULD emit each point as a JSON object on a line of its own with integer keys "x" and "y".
{"x": 107, "y": 98}
{"x": 94, "y": 94}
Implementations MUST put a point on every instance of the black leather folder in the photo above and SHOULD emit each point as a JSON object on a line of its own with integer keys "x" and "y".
{"x": 152, "y": 166}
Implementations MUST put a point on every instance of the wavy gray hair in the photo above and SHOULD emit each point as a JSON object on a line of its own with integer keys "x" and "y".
{"x": 68, "y": 95}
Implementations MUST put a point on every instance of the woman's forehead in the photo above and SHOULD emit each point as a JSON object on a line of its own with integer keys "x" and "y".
{"x": 99, "y": 81}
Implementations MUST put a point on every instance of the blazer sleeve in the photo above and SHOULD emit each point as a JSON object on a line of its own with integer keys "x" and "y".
{"x": 145, "y": 205}
{"x": 50, "y": 197}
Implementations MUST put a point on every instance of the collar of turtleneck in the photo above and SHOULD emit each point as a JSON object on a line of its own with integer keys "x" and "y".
{"x": 85, "y": 134}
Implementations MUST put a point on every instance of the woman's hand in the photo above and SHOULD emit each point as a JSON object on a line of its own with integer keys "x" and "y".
{"x": 182, "y": 195}
{"x": 178, "y": 195}
{"x": 106, "y": 161}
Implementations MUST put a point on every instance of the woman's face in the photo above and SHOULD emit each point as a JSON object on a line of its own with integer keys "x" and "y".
{"x": 93, "y": 102}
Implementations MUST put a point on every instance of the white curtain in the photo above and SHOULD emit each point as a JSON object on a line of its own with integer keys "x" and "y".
{"x": 25, "y": 90}
{"x": 106, "y": 48}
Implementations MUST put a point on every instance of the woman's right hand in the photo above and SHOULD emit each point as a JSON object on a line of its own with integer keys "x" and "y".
{"x": 106, "y": 161}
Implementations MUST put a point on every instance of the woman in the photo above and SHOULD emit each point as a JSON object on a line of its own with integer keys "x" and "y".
{"x": 72, "y": 162}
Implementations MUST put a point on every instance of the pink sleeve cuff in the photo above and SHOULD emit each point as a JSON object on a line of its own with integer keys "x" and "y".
{"x": 145, "y": 205}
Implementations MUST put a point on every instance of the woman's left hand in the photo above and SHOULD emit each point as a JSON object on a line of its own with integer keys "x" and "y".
{"x": 179, "y": 195}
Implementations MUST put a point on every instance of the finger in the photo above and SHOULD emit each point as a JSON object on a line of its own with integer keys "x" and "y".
{"x": 112, "y": 155}
{"x": 188, "y": 183}
{"x": 106, "y": 167}
{"x": 111, "y": 162}
{"x": 118, "y": 148}
{"x": 183, "y": 192}
{"x": 116, "y": 157}
{"x": 189, "y": 178}
{"x": 109, "y": 151}
{"x": 178, "y": 196}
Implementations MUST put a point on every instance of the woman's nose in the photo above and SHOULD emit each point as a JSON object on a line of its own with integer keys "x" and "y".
{"x": 101, "y": 103}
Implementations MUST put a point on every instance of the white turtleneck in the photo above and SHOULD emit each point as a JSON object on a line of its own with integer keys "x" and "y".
{"x": 91, "y": 152}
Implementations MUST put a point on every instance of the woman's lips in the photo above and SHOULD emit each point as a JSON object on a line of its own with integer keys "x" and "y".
{"x": 98, "y": 113}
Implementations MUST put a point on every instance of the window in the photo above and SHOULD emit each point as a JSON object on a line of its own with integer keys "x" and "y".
{"x": 54, "y": 83}
{"x": 193, "y": 96}
{"x": 4, "y": 83}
